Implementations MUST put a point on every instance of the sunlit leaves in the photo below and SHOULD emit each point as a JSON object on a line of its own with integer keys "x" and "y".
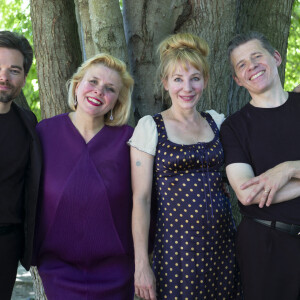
{"x": 292, "y": 71}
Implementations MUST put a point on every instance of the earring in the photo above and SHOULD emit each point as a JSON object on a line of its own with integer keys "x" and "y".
{"x": 111, "y": 116}
{"x": 75, "y": 101}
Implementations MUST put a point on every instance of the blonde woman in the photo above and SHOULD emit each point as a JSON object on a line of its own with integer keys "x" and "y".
{"x": 176, "y": 158}
{"x": 84, "y": 243}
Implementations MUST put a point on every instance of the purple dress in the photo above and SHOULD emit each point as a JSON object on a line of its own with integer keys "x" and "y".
{"x": 84, "y": 246}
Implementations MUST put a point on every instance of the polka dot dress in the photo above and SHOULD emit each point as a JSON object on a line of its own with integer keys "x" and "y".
{"x": 193, "y": 254}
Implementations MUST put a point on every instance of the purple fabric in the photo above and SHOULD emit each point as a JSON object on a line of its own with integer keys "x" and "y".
{"x": 84, "y": 240}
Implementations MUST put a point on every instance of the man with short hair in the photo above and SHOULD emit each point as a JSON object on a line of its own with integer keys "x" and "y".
{"x": 20, "y": 162}
{"x": 262, "y": 156}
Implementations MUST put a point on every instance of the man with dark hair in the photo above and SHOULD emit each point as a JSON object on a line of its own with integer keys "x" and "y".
{"x": 262, "y": 155}
{"x": 20, "y": 162}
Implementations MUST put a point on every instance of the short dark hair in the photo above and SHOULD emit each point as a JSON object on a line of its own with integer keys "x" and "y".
{"x": 243, "y": 38}
{"x": 13, "y": 40}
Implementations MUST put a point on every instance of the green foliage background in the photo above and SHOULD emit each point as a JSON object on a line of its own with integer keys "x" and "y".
{"x": 15, "y": 16}
{"x": 292, "y": 69}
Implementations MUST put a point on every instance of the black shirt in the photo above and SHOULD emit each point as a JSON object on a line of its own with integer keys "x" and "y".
{"x": 264, "y": 138}
{"x": 14, "y": 156}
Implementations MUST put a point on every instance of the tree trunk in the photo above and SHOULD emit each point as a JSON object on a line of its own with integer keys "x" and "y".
{"x": 57, "y": 51}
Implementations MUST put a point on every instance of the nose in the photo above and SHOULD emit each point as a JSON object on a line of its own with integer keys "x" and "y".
{"x": 3, "y": 75}
{"x": 252, "y": 64}
{"x": 99, "y": 90}
{"x": 187, "y": 86}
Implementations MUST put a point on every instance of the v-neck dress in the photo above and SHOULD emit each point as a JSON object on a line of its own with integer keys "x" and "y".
{"x": 194, "y": 255}
{"x": 84, "y": 242}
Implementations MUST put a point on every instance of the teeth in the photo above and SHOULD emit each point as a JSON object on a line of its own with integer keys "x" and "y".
{"x": 257, "y": 75}
{"x": 94, "y": 101}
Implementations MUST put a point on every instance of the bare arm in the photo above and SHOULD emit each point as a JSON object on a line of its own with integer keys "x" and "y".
{"x": 141, "y": 175}
{"x": 276, "y": 185}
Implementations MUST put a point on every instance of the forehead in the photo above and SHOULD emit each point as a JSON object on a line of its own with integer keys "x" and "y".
{"x": 104, "y": 74}
{"x": 180, "y": 68}
{"x": 247, "y": 49}
{"x": 11, "y": 57}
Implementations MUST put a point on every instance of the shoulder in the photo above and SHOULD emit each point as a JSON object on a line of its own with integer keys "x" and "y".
{"x": 124, "y": 131}
{"x": 145, "y": 135}
{"x": 52, "y": 122}
{"x": 25, "y": 114}
{"x": 218, "y": 118}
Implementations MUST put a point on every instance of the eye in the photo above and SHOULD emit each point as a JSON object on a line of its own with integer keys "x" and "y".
{"x": 15, "y": 71}
{"x": 177, "y": 79}
{"x": 241, "y": 66}
{"x": 196, "y": 78}
{"x": 93, "y": 81}
{"x": 109, "y": 89}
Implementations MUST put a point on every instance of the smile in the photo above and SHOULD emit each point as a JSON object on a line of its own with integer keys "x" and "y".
{"x": 94, "y": 101}
{"x": 187, "y": 98}
{"x": 257, "y": 75}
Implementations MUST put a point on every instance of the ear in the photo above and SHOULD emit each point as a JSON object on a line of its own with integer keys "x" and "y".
{"x": 277, "y": 58}
{"x": 165, "y": 84}
{"x": 238, "y": 82}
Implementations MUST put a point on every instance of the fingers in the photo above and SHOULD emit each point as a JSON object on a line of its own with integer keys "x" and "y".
{"x": 147, "y": 293}
{"x": 270, "y": 197}
{"x": 264, "y": 197}
{"x": 252, "y": 181}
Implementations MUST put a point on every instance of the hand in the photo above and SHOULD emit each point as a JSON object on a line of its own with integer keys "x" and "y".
{"x": 145, "y": 283}
{"x": 267, "y": 184}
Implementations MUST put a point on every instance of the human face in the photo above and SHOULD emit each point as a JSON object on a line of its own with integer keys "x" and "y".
{"x": 255, "y": 68}
{"x": 98, "y": 91}
{"x": 12, "y": 77}
{"x": 185, "y": 86}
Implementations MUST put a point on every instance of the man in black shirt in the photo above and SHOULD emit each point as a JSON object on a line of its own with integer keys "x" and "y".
{"x": 20, "y": 162}
{"x": 262, "y": 155}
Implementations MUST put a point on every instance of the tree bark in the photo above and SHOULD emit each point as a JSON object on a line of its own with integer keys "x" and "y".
{"x": 57, "y": 51}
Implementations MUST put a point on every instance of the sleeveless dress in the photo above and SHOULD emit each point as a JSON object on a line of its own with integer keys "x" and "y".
{"x": 193, "y": 254}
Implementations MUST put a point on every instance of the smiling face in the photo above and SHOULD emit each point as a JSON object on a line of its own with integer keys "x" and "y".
{"x": 255, "y": 68}
{"x": 185, "y": 86}
{"x": 12, "y": 77}
{"x": 98, "y": 91}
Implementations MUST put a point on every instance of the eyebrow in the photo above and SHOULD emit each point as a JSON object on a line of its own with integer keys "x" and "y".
{"x": 179, "y": 75}
{"x": 108, "y": 83}
{"x": 252, "y": 54}
{"x": 16, "y": 67}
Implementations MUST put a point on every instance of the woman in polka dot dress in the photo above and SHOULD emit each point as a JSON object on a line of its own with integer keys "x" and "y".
{"x": 176, "y": 158}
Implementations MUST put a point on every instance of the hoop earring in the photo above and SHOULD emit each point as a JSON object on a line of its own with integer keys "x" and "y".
{"x": 75, "y": 101}
{"x": 111, "y": 116}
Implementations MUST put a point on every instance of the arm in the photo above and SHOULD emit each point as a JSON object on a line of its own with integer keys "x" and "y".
{"x": 141, "y": 175}
{"x": 279, "y": 184}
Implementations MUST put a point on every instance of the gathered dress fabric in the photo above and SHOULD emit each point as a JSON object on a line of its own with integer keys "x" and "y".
{"x": 194, "y": 255}
{"x": 83, "y": 246}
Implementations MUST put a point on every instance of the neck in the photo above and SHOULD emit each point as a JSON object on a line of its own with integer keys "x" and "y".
{"x": 184, "y": 115}
{"x": 273, "y": 97}
{"x": 88, "y": 126}
{"x": 5, "y": 107}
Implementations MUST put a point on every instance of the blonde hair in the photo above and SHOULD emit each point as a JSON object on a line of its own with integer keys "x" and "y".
{"x": 122, "y": 107}
{"x": 182, "y": 48}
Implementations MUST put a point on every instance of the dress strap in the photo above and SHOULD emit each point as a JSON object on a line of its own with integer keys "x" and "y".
{"x": 211, "y": 122}
{"x": 161, "y": 129}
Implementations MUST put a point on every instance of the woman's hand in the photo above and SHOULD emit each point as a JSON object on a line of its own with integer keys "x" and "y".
{"x": 145, "y": 283}
{"x": 268, "y": 183}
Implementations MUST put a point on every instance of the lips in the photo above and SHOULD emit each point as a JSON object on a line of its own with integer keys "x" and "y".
{"x": 257, "y": 75}
{"x": 94, "y": 101}
{"x": 187, "y": 98}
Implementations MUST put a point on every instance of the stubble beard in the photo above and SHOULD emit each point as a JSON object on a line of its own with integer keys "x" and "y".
{"x": 7, "y": 96}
